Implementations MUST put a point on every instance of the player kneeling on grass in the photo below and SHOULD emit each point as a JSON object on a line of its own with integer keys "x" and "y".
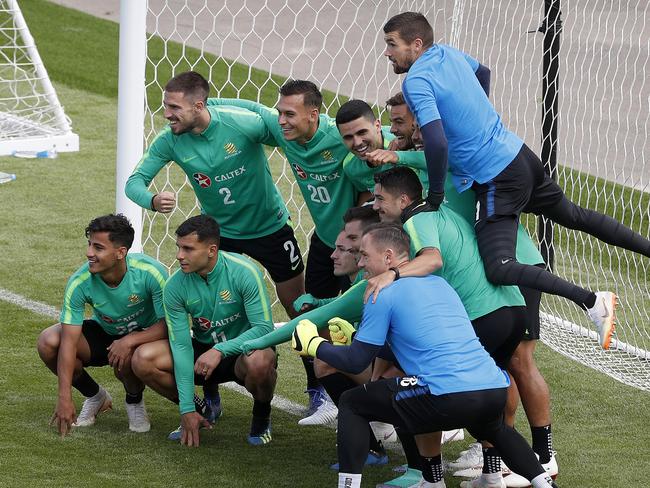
{"x": 452, "y": 381}
{"x": 125, "y": 294}
{"x": 227, "y": 302}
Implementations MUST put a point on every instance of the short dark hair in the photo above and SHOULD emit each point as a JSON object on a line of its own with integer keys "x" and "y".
{"x": 398, "y": 180}
{"x": 120, "y": 231}
{"x": 205, "y": 227}
{"x": 311, "y": 95}
{"x": 189, "y": 83}
{"x": 389, "y": 235}
{"x": 354, "y": 109}
{"x": 366, "y": 215}
{"x": 395, "y": 100}
{"x": 410, "y": 26}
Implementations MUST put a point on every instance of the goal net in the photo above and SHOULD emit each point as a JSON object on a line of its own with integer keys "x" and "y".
{"x": 31, "y": 117}
{"x": 246, "y": 48}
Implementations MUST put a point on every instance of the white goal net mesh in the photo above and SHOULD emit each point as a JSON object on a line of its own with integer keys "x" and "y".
{"x": 31, "y": 117}
{"x": 246, "y": 48}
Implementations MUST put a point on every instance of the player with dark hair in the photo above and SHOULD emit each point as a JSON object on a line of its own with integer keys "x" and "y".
{"x": 315, "y": 152}
{"x": 125, "y": 294}
{"x": 402, "y": 122}
{"x": 444, "y": 242}
{"x": 451, "y": 381}
{"x": 226, "y": 299}
{"x": 221, "y": 151}
{"x": 447, "y": 91}
{"x": 368, "y": 143}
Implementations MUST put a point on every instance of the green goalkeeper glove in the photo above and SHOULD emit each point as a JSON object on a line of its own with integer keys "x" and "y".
{"x": 307, "y": 299}
{"x": 305, "y": 339}
{"x": 341, "y": 331}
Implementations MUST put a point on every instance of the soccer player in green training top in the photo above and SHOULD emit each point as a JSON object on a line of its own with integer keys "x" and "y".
{"x": 226, "y": 300}
{"x": 315, "y": 152}
{"x": 368, "y": 143}
{"x": 124, "y": 292}
{"x": 221, "y": 151}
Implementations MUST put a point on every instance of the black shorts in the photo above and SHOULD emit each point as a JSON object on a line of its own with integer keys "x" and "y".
{"x": 523, "y": 186}
{"x": 278, "y": 252}
{"x": 319, "y": 278}
{"x": 500, "y": 332}
{"x": 98, "y": 341}
{"x": 224, "y": 372}
{"x": 419, "y": 411}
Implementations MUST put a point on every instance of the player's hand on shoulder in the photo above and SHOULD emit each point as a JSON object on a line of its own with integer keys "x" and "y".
{"x": 207, "y": 363}
{"x": 191, "y": 423}
{"x": 164, "y": 202}
{"x": 64, "y": 416}
{"x": 376, "y": 284}
{"x": 379, "y": 157}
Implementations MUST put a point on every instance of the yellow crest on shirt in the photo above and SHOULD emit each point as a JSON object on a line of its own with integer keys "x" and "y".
{"x": 230, "y": 148}
{"x": 134, "y": 298}
{"x": 225, "y": 295}
{"x": 327, "y": 155}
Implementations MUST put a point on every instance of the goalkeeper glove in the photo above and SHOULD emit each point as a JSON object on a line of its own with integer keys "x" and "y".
{"x": 305, "y": 339}
{"x": 305, "y": 299}
{"x": 341, "y": 331}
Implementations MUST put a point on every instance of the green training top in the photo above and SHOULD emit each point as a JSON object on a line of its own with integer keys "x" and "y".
{"x": 135, "y": 304}
{"x": 227, "y": 168}
{"x": 362, "y": 176}
{"x": 348, "y": 306}
{"x": 462, "y": 266}
{"x": 317, "y": 166}
{"x": 225, "y": 310}
{"x": 465, "y": 205}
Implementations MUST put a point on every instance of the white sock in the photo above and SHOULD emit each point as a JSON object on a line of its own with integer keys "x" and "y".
{"x": 349, "y": 480}
{"x": 492, "y": 478}
{"x": 543, "y": 480}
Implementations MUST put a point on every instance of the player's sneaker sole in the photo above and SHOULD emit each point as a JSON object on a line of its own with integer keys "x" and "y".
{"x": 409, "y": 479}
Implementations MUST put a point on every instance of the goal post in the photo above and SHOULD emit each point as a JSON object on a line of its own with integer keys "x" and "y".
{"x": 31, "y": 117}
{"x": 246, "y": 48}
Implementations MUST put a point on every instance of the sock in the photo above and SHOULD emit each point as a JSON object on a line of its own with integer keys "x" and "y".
{"x": 261, "y": 409}
{"x": 199, "y": 404}
{"x": 335, "y": 384}
{"x": 132, "y": 398}
{"x": 432, "y": 468}
{"x": 491, "y": 460}
{"x": 542, "y": 481}
{"x": 542, "y": 442}
{"x": 349, "y": 480}
{"x": 85, "y": 385}
{"x": 411, "y": 452}
{"x": 312, "y": 381}
{"x": 590, "y": 301}
{"x": 211, "y": 392}
{"x": 259, "y": 425}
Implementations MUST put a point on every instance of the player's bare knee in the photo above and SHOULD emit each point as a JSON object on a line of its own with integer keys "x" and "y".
{"x": 142, "y": 361}
{"x": 48, "y": 343}
{"x": 260, "y": 365}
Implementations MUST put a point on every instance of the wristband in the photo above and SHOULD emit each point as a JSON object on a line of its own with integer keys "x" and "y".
{"x": 152, "y": 207}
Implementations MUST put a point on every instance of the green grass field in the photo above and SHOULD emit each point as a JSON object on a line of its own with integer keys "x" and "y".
{"x": 600, "y": 425}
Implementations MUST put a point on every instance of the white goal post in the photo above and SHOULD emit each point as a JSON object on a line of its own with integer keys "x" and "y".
{"x": 247, "y": 47}
{"x": 31, "y": 117}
